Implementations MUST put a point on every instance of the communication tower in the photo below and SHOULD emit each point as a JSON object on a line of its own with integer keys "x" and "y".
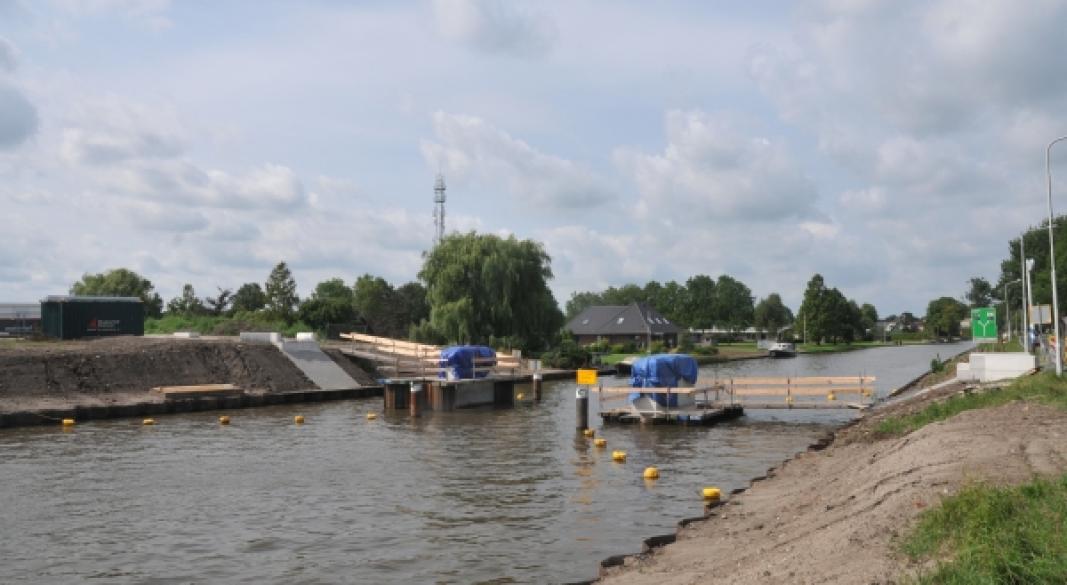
{"x": 439, "y": 208}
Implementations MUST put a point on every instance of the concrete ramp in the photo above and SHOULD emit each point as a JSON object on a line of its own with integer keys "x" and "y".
{"x": 316, "y": 365}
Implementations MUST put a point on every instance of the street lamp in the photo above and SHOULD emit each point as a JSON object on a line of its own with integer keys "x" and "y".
{"x": 1007, "y": 312}
{"x": 1052, "y": 258}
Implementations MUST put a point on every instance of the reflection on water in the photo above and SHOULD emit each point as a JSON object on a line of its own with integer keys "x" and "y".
{"x": 491, "y": 495}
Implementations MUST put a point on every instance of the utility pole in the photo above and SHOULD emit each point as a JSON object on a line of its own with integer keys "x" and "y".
{"x": 1022, "y": 273}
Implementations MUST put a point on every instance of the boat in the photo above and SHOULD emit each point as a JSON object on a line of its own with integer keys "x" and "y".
{"x": 782, "y": 349}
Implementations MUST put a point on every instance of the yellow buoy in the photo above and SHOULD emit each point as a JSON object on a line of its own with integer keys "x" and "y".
{"x": 831, "y": 396}
{"x": 651, "y": 473}
{"x": 619, "y": 456}
{"x": 148, "y": 422}
{"x": 371, "y": 416}
{"x": 588, "y": 432}
{"x": 789, "y": 400}
{"x": 68, "y": 422}
{"x": 712, "y": 494}
{"x": 224, "y": 420}
{"x": 299, "y": 419}
{"x": 520, "y": 396}
{"x": 598, "y": 442}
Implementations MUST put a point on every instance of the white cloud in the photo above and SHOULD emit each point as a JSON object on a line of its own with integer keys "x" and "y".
{"x": 712, "y": 170}
{"x": 496, "y": 26}
{"x": 468, "y": 148}
{"x": 181, "y": 182}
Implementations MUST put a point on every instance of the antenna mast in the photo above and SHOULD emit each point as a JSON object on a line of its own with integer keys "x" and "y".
{"x": 439, "y": 208}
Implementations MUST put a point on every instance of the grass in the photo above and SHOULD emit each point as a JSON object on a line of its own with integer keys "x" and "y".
{"x": 1015, "y": 345}
{"x": 995, "y": 535}
{"x": 222, "y": 325}
{"x": 1044, "y": 388}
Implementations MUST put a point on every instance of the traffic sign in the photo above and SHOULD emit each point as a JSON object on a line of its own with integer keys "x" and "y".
{"x": 984, "y": 324}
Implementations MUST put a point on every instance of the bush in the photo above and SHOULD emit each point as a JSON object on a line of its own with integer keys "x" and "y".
{"x": 685, "y": 344}
{"x": 568, "y": 355}
{"x": 657, "y": 347}
{"x": 936, "y": 365}
{"x": 704, "y": 350}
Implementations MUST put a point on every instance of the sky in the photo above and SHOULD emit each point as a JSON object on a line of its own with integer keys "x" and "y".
{"x": 892, "y": 146}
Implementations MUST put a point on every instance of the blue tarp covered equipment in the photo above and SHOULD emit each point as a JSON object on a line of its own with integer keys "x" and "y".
{"x": 663, "y": 370}
{"x": 459, "y": 359}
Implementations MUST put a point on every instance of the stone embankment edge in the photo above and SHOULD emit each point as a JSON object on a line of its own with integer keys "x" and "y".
{"x": 101, "y": 412}
{"x": 652, "y": 543}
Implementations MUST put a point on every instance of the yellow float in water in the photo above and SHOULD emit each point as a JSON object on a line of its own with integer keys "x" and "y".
{"x": 831, "y": 396}
{"x": 598, "y": 442}
{"x": 224, "y": 420}
{"x": 712, "y": 494}
{"x": 148, "y": 422}
{"x": 619, "y": 456}
{"x": 371, "y": 416}
{"x": 651, "y": 473}
{"x": 299, "y": 419}
{"x": 520, "y": 396}
{"x": 589, "y": 432}
{"x": 68, "y": 422}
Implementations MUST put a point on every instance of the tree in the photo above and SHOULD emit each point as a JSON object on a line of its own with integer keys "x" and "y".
{"x": 981, "y": 292}
{"x": 732, "y": 305}
{"x": 188, "y": 304}
{"x": 280, "y": 291}
{"x": 332, "y": 302}
{"x": 482, "y": 286}
{"x": 581, "y": 301}
{"x": 943, "y": 316}
{"x": 375, "y": 301}
{"x": 699, "y": 302}
{"x": 249, "y": 297}
{"x": 771, "y": 314}
{"x": 120, "y": 282}
{"x": 411, "y": 304}
{"x": 813, "y": 318}
{"x": 219, "y": 304}
{"x": 868, "y": 319}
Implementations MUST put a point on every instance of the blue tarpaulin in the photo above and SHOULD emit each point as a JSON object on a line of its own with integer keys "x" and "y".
{"x": 459, "y": 359}
{"x": 664, "y": 370}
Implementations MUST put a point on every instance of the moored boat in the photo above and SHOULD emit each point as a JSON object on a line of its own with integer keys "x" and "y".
{"x": 782, "y": 349}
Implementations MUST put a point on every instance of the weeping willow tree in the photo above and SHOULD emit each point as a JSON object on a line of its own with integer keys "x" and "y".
{"x": 482, "y": 289}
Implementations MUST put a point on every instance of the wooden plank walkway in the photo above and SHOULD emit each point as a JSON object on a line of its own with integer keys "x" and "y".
{"x": 198, "y": 391}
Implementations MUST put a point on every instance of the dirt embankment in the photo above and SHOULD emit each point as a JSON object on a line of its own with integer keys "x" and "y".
{"x": 36, "y": 376}
{"x": 833, "y": 516}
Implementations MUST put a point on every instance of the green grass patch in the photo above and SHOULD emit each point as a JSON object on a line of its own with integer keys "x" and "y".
{"x": 995, "y": 535}
{"x": 1015, "y": 345}
{"x": 1044, "y": 388}
{"x": 222, "y": 325}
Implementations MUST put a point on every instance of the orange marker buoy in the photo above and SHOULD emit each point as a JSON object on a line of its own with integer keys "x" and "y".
{"x": 224, "y": 420}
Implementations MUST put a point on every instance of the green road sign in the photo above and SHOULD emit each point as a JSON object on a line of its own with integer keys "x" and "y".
{"x": 984, "y": 324}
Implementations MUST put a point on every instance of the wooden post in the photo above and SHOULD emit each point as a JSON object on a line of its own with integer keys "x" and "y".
{"x": 582, "y": 408}
{"x": 413, "y": 399}
{"x": 537, "y": 386}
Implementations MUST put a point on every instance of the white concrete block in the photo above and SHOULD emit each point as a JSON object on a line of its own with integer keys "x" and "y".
{"x": 263, "y": 337}
{"x": 187, "y": 334}
{"x": 305, "y": 336}
{"x": 991, "y": 367}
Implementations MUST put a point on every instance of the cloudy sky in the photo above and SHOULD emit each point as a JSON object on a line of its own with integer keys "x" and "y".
{"x": 892, "y": 146}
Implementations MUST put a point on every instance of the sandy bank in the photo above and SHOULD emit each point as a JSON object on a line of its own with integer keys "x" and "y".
{"x": 833, "y": 516}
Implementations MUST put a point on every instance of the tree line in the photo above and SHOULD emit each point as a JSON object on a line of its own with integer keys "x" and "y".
{"x": 473, "y": 288}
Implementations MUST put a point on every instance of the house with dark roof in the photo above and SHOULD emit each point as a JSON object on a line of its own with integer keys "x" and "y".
{"x": 636, "y": 323}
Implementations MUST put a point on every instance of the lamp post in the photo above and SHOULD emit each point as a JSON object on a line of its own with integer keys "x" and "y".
{"x": 1052, "y": 259}
{"x": 1022, "y": 274}
{"x": 1007, "y": 311}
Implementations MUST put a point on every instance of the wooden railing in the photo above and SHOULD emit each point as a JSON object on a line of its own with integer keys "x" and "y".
{"x": 793, "y": 392}
{"x": 408, "y": 359}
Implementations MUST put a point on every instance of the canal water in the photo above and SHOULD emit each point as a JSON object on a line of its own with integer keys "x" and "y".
{"x": 485, "y": 496}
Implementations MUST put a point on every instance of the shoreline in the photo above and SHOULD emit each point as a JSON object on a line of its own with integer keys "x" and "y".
{"x": 805, "y": 519}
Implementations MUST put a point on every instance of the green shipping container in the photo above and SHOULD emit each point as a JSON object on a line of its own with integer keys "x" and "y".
{"x": 64, "y": 317}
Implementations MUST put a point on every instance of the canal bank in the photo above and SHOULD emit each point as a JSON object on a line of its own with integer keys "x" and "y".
{"x": 837, "y": 513}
